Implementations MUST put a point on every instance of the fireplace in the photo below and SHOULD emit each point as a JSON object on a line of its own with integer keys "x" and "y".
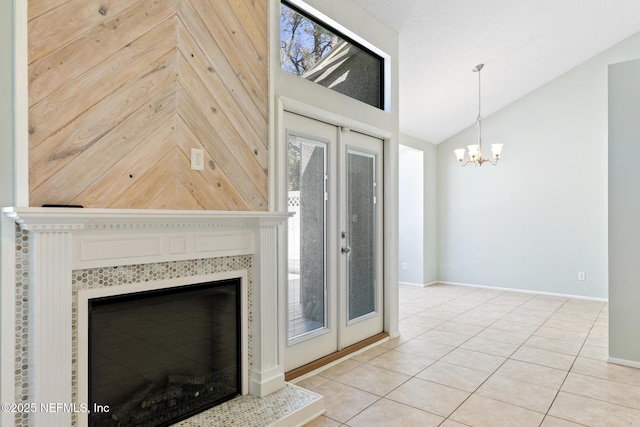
{"x": 54, "y": 260}
{"x": 159, "y": 356}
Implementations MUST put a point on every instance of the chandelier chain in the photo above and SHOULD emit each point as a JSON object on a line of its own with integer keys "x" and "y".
{"x": 479, "y": 96}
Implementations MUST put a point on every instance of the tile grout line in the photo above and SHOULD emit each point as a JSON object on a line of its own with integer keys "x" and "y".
{"x": 569, "y": 370}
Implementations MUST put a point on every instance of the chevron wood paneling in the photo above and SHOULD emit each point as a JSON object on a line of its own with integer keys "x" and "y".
{"x": 120, "y": 91}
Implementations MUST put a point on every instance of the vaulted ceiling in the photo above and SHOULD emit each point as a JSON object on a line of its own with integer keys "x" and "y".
{"x": 523, "y": 44}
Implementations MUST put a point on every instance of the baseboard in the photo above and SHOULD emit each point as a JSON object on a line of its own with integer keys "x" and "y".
{"x": 525, "y": 291}
{"x": 624, "y": 362}
{"x": 420, "y": 285}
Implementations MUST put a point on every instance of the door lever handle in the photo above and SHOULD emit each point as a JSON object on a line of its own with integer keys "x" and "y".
{"x": 345, "y": 250}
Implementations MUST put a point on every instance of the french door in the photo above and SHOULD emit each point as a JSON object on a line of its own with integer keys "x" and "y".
{"x": 335, "y": 248}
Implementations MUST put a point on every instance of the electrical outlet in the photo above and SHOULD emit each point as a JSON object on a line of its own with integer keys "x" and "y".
{"x": 582, "y": 276}
{"x": 197, "y": 159}
{"x": 404, "y": 266}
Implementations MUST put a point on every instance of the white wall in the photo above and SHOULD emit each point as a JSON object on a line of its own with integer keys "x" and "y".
{"x": 411, "y": 215}
{"x": 6, "y": 104}
{"x": 624, "y": 211}
{"x": 539, "y": 217}
{"x": 429, "y": 238}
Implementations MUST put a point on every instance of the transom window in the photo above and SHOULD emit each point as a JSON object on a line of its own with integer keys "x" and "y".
{"x": 316, "y": 52}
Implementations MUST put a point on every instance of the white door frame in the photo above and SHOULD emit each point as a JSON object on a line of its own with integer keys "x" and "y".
{"x": 390, "y": 186}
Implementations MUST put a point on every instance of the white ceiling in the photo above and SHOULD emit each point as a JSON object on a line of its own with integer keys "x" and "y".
{"x": 523, "y": 44}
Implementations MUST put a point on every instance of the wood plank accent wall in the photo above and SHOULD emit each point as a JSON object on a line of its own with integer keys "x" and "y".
{"x": 121, "y": 90}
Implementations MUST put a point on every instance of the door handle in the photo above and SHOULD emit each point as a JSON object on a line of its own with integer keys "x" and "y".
{"x": 345, "y": 250}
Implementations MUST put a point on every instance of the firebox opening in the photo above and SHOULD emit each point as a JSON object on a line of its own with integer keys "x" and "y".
{"x": 157, "y": 357}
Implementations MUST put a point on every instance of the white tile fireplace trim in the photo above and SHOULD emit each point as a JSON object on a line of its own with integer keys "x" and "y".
{"x": 84, "y": 295}
{"x": 62, "y": 239}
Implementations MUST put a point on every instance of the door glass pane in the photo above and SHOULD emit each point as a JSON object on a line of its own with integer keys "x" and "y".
{"x": 361, "y": 234}
{"x": 306, "y": 173}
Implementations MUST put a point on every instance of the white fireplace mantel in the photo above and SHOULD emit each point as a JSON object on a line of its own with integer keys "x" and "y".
{"x": 65, "y": 239}
{"x": 79, "y": 218}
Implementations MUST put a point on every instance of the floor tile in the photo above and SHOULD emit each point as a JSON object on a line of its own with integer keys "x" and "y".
{"x": 496, "y": 310}
{"x": 385, "y": 413}
{"x": 395, "y": 342}
{"x": 550, "y": 421}
{"x": 323, "y": 421}
{"x": 532, "y": 373}
{"x": 496, "y": 334}
{"x": 519, "y": 393}
{"x": 553, "y": 344}
{"x": 311, "y": 382}
{"x": 529, "y": 317}
{"x": 459, "y": 328}
{"x": 518, "y": 327}
{"x": 425, "y": 349}
{"x": 373, "y": 379}
{"x": 460, "y": 377}
{"x": 600, "y": 331}
{"x": 475, "y": 319}
{"x": 370, "y": 354}
{"x": 480, "y": 411}
{"x": 594, "y": 352}
{"x": 473, "y": 359}
{"x": 422, "y": 321}
{"x": 542, "y": 357}
{"x": 561, "y": 334}
{"x": 581, "y": 326}
{"x": 405, "y": 363}
{"x": 601, "y": 341}
{"x": 451, "y": 423}
{"x": 435, "y": 398}
{"x": 410, "y": 309}
{"x": 442, "y": 337}
{"x": 591, "y": 412}
{"x": 340, "y": 369}
{"x": 608, "y": 371}
{"x": 437, "y": 313}
{"x": 512, "y": 299}
{"x": 412, "y": 331}
{"x": 344, "y": 402}
{"x": 600, "y": 389}
{"x": 496, "y": 348}
{"x": 552, "y": 301}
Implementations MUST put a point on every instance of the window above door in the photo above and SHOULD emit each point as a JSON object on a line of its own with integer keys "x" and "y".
{"x": 315, "y": 51}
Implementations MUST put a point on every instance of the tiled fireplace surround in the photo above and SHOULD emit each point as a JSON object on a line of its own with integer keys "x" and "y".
{"x": 63, "y": 253}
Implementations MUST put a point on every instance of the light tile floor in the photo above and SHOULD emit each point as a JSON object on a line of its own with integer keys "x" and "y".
{"x": 484, "y": 357}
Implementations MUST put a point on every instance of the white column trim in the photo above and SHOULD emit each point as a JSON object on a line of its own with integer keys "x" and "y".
{"x": 50, "y": 329}
{"x": 7, "y": 317}
{"x": 268, "y": 370}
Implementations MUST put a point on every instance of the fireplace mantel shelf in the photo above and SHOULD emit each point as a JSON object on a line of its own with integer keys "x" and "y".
{"x": 35, "y": 218}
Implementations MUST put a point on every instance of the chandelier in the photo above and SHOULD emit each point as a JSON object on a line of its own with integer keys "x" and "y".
{"x": 475, "y": 150}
